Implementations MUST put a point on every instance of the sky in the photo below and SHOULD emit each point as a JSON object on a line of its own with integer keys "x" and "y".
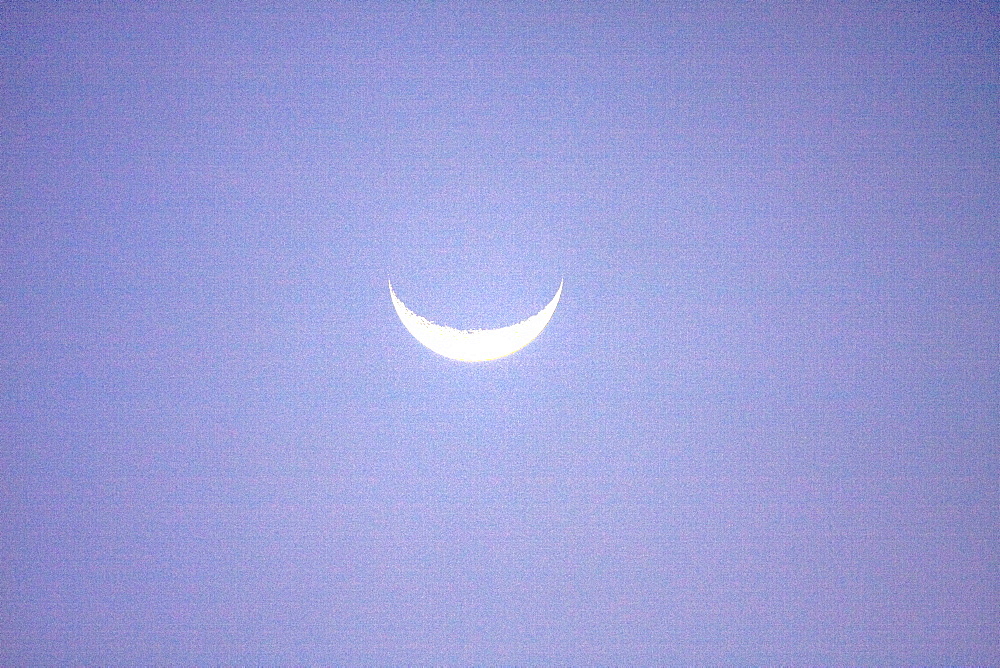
{"x": 762, "y": 426}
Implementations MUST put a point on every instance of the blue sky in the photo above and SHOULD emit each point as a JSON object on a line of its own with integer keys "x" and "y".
{"x": 761, "y": 427}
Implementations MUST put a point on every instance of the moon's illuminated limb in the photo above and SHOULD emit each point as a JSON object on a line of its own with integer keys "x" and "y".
{"x": 474, "y": 345}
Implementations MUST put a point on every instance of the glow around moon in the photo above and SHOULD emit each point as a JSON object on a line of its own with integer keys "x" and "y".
{"x": 474, "y": 345}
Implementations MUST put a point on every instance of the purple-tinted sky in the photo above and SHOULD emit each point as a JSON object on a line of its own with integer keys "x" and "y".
{"x": 762, "y": 427}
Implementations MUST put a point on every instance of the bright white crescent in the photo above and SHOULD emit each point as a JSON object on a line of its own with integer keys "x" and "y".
{"x": 474, "y": 345}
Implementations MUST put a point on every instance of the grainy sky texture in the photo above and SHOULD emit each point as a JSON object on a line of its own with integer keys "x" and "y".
{"x": 761, "y": 428}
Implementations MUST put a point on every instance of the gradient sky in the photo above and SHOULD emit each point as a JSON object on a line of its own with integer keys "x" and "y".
{"x": 761, "y": 428}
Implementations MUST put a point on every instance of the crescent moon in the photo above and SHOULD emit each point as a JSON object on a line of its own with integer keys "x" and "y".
{"x": 474, "y": 345}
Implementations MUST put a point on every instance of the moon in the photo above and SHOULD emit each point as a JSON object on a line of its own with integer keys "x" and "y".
{"x": 474, "y": 345}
